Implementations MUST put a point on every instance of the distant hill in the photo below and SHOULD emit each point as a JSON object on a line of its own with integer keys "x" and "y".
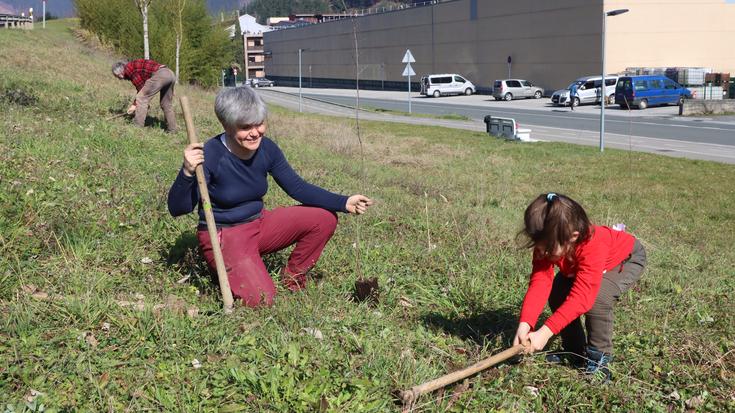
{"x": 65, "y": 8}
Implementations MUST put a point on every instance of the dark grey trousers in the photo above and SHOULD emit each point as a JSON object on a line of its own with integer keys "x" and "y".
{"x": 599, "y": 320}
{"x": 162, "y": 81}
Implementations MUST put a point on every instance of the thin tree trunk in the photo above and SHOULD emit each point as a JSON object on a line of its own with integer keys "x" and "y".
{"x": 178, "y": 49}
{"x": 179, "y": 34}
{"x": 146, "y": 49}
{"x": 143, "y": 8}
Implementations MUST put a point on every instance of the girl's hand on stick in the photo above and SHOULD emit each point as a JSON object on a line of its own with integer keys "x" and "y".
{"x": 522, "y": 334}
{"x": 539, "y": 338}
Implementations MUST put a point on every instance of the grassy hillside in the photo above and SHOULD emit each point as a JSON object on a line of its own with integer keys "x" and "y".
{"x": 94, "y": 291}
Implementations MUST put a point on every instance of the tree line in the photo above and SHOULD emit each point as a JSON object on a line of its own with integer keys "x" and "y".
{"x": 174, "y": 27}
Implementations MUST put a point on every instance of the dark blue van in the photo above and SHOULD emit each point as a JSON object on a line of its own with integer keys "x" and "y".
{"x": 644, "y": 91}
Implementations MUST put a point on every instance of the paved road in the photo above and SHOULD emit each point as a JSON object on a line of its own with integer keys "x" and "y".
{"x": 657, "y": 130}
{"x": 616, "y": 122}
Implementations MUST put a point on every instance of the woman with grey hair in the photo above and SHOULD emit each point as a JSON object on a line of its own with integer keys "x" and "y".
{"x": 149, "y": 78}
{"x": 236, "y": 169}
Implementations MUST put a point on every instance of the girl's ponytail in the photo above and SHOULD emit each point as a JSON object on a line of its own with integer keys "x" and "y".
{"x": 551, "y": 220}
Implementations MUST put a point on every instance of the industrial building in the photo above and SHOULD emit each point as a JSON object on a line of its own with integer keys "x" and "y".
{"x": 548, "y": 42}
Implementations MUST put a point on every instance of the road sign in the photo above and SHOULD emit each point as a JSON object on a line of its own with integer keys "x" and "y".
{"x": 408, "y": 57}
{"x": 408, "y": 71}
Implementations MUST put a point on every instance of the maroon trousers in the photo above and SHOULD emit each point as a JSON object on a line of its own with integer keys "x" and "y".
{"x": 310, "y": 228}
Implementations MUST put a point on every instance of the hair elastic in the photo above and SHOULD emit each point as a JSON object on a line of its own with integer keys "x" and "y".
{"x": 550, "y": 196}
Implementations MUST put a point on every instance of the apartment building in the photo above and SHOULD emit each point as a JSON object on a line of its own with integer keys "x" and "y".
{"x": 253, "y": 51}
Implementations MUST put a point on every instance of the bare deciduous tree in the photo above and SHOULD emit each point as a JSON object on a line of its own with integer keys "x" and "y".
{"x": 143, "y": 7}
{"x": 180, "y": 5}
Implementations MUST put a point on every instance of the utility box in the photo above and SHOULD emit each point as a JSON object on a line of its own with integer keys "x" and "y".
{"x": 506, "y": 128}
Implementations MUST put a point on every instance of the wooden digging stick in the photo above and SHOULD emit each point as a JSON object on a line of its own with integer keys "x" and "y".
{"x": 411, "y": 395}
{"x": 117, "y": 116}
{"x": 224, "y": 284}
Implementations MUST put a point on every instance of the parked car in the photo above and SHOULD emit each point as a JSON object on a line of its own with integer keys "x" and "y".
{"x": 260, "y": 82}
{"x": 509, "y": 89}
{"x": 588, "y": 91}
{"x": 446, "y": 84}
{"x": 644, "y": 91}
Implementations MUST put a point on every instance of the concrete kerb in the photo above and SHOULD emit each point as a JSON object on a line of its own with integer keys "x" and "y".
{"x": 707, "y": 107}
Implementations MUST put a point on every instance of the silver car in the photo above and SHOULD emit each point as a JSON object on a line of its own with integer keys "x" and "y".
{"x": 509, "y": 89}
{"x": 588, "y": 91}
{"x": 260, "y": 82}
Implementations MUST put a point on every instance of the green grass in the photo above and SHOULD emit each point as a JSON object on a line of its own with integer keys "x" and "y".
{"x": 84, "y": 201}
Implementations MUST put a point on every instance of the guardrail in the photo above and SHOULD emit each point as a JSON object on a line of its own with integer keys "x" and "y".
{"x": 10, "y": 21}
{"x": 378, "y": 10}
{"x": 507, "y": 128}
{"x": 364, "y": 12}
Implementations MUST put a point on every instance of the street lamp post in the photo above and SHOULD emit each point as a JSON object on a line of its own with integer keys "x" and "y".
{"x": 603, "y": 86}
{"x": 300, "y": 105}
{"x": 300, "y": 52}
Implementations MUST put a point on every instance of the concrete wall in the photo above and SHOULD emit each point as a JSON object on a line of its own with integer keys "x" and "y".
{"x": 550, "y": 42}
{"x": 671, "y": 33}
{"x": 707, "y": 107}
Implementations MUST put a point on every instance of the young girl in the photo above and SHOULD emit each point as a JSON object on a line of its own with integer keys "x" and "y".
{"x": 596, "y": 264}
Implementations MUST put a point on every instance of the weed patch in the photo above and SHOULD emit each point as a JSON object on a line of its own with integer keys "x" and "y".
{"x": 18, "y": 95}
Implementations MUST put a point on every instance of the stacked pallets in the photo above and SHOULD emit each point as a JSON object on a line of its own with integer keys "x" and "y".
{"x": 722, "y": 80}
{"x": 701, "y": 81}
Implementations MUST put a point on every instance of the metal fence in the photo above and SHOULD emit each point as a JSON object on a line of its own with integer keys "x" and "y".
{"x": 363, "y": 12}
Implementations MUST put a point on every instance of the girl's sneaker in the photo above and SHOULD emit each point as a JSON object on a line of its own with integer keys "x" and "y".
{"x": 598, "y": 365}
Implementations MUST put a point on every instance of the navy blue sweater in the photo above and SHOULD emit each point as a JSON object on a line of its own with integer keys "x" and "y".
{"x": 236, "y": 187}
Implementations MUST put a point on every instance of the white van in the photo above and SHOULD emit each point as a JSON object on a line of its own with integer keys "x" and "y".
{"x": 588, "y": 91}
{"x": 446, "y": 84}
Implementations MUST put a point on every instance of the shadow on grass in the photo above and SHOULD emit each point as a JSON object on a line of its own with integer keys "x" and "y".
{"x": 155, "y": 122}
{"x": 185, "y": 255}
{"x": 480, "y": 328}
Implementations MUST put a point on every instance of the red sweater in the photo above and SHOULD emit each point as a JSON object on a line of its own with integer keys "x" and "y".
{"x": 605, "y": 250}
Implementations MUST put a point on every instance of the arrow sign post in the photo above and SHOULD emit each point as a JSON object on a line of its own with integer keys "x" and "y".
{"x": 408, "y": 72}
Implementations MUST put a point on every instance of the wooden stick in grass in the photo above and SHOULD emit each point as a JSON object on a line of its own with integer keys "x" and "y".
{"x": 119, "y": 115}
{"x": 411, "y": 395}
{"x": 224, "y": 283}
